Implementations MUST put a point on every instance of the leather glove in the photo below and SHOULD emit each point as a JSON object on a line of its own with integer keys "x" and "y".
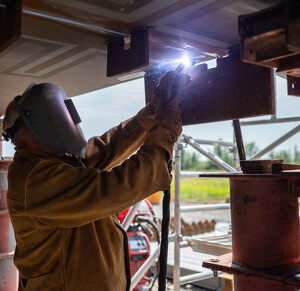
{"x": 171, "y": 81}
{"x": 172, "y": 85}
{"x": 168, "y": 96}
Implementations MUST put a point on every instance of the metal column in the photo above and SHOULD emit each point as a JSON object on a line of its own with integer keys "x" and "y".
{"x": 8, "y": 271}
{"x": 265, "y": 229}
{"x": 177, "y": 221}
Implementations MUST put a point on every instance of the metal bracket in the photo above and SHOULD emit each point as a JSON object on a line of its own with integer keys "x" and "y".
{"x": 271, "y": 38}
{"x": 284, "y": 274}
{"x": 120, "y": 60}
{"x": 232, "y": 90}
{"x": 10, "y": 22}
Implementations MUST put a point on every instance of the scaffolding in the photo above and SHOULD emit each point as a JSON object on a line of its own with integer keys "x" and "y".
{"x": 176, "y": 237}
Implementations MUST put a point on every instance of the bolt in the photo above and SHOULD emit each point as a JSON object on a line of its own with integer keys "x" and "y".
{"x": 215, "y": 260}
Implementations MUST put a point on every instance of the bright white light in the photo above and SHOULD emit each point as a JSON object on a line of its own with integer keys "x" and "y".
{"x": 210, "y": 64}
{"x": 186, "y": 61}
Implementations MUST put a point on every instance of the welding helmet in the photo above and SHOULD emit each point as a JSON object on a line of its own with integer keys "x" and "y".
{"x": 52, "y": 118}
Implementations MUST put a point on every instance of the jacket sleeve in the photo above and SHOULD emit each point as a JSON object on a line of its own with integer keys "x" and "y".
{"x": 109, "y": 150}
{"x": 60, "y": 195}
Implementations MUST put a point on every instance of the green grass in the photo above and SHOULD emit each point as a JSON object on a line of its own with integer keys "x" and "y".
{"x": 203, "y": 189}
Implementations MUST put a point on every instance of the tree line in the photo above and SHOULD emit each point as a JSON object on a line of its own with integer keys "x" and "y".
{"x": 191, "y": 160}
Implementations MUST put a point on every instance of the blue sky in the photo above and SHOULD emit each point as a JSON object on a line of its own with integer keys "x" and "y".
{"x": 100, "y": 110}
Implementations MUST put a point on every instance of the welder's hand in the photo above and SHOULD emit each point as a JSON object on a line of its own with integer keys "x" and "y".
{"x": 172, "y": 86}
{"x": 169, "y": 95}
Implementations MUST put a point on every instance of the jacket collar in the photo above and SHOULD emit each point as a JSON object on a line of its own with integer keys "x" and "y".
{"x": 28, "y": 154}
{"x": 22, "y": 153}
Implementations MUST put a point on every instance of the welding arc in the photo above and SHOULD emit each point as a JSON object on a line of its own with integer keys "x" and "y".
{"x": 163, "y": 256}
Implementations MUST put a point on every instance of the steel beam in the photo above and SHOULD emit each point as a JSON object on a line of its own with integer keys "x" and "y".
{"x": 10, "y": 22}
{"x": 121, "y": 60}
{"x": 232, "y": 90}
{"x": 271, "y": 38}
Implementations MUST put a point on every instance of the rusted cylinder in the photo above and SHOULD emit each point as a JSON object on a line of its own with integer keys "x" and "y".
{"x": 265, "y": 223}
{"x": 265, "y": 228}
{"x": 242, "y": 283}
{"x": 8, "y": 272}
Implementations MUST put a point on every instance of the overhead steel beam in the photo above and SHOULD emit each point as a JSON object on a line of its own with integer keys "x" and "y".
{"x": 271, "y": 38}
{"x": 10, "y": 22}
{"x": 121, "y": 60}
{"x": 232, "y": 90}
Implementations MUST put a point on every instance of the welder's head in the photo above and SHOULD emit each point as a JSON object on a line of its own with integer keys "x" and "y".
{"x": 50, "y": 117}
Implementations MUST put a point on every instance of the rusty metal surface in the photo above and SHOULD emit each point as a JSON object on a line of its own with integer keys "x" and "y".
{"x": 121, "y": 60}
{"x": 261, "y": 210}
{"x": 265, "y": 228}
{"x": 280, "y": 168}
{"x": 246, "y": 283}
{"x": 10, "y": 22}
{"x": 291, "y": 173}
{"x": 271, "y": 34}
{"x": 265, "y": 231}
{"x": 261, "y": 166}
{"x": 271, "y": 38}
{"x": 232, "y": 90}
{"x": 284, "y": 274}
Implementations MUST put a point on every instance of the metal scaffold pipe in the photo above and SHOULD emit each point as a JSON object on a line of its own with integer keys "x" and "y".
{"x": 276, "y": 143}
{"x": 130, "y": 215}
{"x": 195, "y": 277}
{"x": 177, "y": 221}
{"x": 215, "y": 159}
{"x": 204, "y": 207}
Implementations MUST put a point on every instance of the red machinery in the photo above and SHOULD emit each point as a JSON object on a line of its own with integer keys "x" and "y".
{"x": 139, "y": 251}
{"x": 139, "y": 235}
{"x": 145, "y": 209}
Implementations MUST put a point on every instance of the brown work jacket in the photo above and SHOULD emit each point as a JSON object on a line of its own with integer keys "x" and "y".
{"x": 63, "y": 209}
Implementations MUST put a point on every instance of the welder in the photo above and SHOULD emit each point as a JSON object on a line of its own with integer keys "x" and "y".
{"x": 63, "y": 192}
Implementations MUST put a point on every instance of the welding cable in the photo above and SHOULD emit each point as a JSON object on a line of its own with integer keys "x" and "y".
{"x": 163, "y": 256}
{"x": 149, "y": 221}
